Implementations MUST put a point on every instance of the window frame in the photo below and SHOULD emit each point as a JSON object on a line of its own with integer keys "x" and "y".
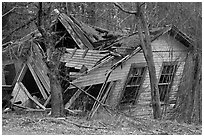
{"x": 137, "y": 93}
{"x": 169, "y": 84}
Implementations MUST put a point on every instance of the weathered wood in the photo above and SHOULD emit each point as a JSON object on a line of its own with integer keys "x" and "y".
{"x": 78, "y": 32}
{"x": 97, "y": 105}
{"x": 18, "y": 95}
{"x": 22, "y": 73}
{"x": 37, "y": 81}
{"x": 73, "y": 52}
{"x": 73, "y": 98}
{"x": 29, "y": 96}
{"x": 47, "y": 101}
{"x": 42, "y": 76}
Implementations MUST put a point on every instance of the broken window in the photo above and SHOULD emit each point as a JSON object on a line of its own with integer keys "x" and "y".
{"x": 166, "y": 79}
{"x": 133, "y": 85}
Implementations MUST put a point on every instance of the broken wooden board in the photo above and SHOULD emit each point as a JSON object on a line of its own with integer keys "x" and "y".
{"x": 40, "y": 66}
{"x": 73, "y": 98}
{"x": 30, "y": 97}
{"x": 41, "y": 74}
{"x": 19, "y": 95}
{"x": 78, "y": 58}
{"x": 103, "y": 99}
{"x": 37, "y": 81}
{"x": 76, "y": 33}
{"x": 21, "y": 73}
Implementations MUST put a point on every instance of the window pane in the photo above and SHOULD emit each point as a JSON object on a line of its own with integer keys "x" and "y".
{"x": 129, "y": 81}
{"x": 133, "y": 85}
{"x": 162, "y": 91}
{"x": 166, "y": 79}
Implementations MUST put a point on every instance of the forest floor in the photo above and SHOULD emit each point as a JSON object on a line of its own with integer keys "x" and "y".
{"x": 38, "y": 123}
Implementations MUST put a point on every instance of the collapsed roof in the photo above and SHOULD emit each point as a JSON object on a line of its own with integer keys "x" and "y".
{"x": 87, "y": 48}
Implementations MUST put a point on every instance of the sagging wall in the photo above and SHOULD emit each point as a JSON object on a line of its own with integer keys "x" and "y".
{"x": 165, "y": 49}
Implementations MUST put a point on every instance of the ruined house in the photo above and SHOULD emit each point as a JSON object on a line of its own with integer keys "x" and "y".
{"x": 128, "y": 84}
{"x": 111, "y": 67}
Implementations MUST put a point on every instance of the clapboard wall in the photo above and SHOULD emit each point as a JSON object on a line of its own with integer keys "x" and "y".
{"x": 165, "y": 49}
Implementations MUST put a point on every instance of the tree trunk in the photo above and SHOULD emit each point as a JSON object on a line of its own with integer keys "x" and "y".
{"x": 147, "y": 50}
{"x": 189, "y": 97}
{"x": 5, "y": 21}
{"x": 52, "y": 63}
{"x": 56, "y": 96}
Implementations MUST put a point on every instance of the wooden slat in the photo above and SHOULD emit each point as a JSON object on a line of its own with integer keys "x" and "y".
{"x": 37, "y": 81}
{"x": 78, "y": 65}
{"x": 29, "y": 96}
{"x": 78, "y": 31}
{"x": 102, "y": 99}
{"x": 47, "y": 101}
{"x": 73, "y": 52}
{"x": 72, "y": 32}
{"x": 22, "y": 73}
{"x": 42, "y": 76}
{"x": 73, "y": 98}
{"x": 90, "y": 51}
{"x": 15, "y": 92}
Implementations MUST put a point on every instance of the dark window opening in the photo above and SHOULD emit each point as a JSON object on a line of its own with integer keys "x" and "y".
{"x": 30, "y": 84}
{"x": 166, "y": 79}
{"x": 85, "y": 102}
{"x": 133, "y": 84}
{"x": 9, "y": 73}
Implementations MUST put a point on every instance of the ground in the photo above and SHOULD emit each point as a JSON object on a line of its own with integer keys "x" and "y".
{"x": 38, "y": 123}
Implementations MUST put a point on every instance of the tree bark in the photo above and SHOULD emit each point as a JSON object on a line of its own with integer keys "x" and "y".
{"x": 56, "y": 95}
{"x": 52, "y": 63}
{"x": 147, "y": 50}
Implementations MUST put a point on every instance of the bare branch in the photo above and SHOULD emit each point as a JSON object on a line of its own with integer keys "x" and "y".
{"x": 22, "y": 26}
{"x": 13, "y": 10}
{"x": 126, "y": 11}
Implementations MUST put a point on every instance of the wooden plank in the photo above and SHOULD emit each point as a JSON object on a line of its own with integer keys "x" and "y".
{"x": 72, "y": 33}
{"x": 15, "y": 92}
{"x": 84, "y": 54}
{"x": 99, "y": 97}
{"x": 47, "y": 101}
{"x": 103, "y": 98}
{"x": 41, "y": 74}
{"x": 78, "y": 59}
{"x": 22, "y": 73}
{"x": 29, "y": 96}
{"x": 43, "y": 77}
{"x": 73, "y": 52}
{"x": 90, "y": 51}
{"x": 73, "y": 98}
{"x": 19, "y": 95}
{"x": 37, "y": 81}
{"x": 90, "y": 54}
{"x": 78, "y": 31}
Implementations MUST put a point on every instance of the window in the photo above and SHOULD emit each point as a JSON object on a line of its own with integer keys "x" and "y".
{"x": 133, "y": 84}
{"x": 166, "y": 79}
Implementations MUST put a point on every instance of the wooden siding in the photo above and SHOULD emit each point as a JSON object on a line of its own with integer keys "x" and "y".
{"x": 19, "y": 95}
{"x": 165, "y": 49}
{"x": 78, "y": 57}
{"x": 75, "y": 32}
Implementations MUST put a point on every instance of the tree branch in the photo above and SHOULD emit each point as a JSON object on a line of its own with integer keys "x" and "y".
{"x": 16, "y": 29}
{"x": 126, "y": 11}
